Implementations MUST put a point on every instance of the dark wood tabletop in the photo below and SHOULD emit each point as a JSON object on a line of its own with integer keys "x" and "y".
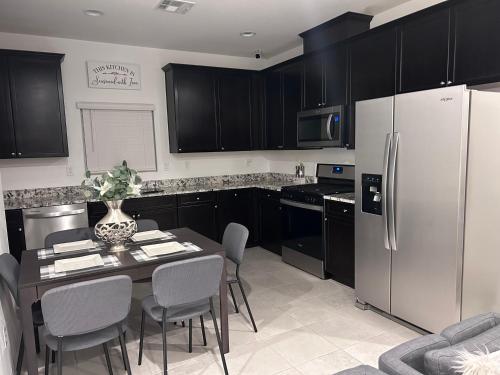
{"x": 32, "y": 287}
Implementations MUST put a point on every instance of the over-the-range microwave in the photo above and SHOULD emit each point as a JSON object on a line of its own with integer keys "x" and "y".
{"x": 321, "y": 127}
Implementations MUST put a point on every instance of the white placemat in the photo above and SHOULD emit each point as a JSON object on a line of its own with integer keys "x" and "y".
{"x": 48, "y": 271}
{"x": 140, "y": 256}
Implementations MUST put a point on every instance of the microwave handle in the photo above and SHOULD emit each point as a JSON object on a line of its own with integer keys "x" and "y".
{"x": 329, "y": 126}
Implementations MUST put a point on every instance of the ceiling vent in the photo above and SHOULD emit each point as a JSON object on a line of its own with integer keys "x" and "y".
{"x": 176, "y": 6}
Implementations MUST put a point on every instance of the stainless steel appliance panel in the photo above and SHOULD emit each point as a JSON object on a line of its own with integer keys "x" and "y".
{"x": 39, "y": 222}
{"x": 429, "y": 154}
{"x": 374, "y": 126}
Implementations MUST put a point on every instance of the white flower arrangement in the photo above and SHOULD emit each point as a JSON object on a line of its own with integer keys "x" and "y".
{"x": 478, "y": 363}
{"x": 119, "y": 183}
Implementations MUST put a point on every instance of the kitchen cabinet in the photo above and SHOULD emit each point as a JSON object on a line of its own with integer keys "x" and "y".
{"x": 373, "y": 64}
{"x": 270, "y": 220}
{"x": 313, "y": 82}
{"x": 339, "y": 242}
{"x": 258, "y": 111}
{"x": 198, "y": 212}
{"x": 477, "y": 37}
{"x": 425, "y": 60}
{"x": 275, "y": 138}
{"x": 15, "y": 232}
{"x": 237, "y": 206}
{"x": 191, "y": 108}
{"x": 33, "y": 123}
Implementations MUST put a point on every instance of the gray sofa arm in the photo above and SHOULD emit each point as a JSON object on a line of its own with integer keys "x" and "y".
{"x": 470, "y": 328}
{"x": 408, "y": 358}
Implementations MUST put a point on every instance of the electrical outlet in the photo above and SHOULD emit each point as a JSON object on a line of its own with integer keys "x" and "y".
{"x": 69, "y": 170}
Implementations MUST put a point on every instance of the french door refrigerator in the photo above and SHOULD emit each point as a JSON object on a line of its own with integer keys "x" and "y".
{"x": 411, "y": 163}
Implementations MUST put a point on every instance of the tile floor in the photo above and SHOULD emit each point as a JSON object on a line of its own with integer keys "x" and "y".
{"x": 306, "y": 326}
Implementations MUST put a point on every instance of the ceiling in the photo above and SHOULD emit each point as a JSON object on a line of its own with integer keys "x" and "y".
{"x": 211, "y": 26}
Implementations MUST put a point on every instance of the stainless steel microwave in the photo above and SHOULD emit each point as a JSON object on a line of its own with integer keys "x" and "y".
{"x": 321, "y": 127}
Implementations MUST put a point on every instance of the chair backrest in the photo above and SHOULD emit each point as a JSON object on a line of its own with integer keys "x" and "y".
{"x": 144, "y": 225}
{"x": 234, "y": 241}
{"x": 9, "y": 272}
{"x": 187, "y": 281}
{"x": 87, "y": 306}
{"x": 69, "y": 235}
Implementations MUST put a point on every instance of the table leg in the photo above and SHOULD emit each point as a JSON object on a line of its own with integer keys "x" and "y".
{"x": 26, "y": 298}
{"x": 224, "y": 324}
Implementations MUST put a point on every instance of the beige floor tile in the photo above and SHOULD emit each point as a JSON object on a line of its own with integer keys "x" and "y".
{"x": 329, "y": 364}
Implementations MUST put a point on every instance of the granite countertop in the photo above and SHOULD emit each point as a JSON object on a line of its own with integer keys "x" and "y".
{"x": 74, "y": 195}
{"x": 342, "y": 197}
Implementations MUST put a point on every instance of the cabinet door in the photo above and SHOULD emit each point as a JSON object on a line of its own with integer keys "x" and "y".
{"x": 373, "y": 65}
{"x": 340, "y": 249}
{"x": 38, "y": 105}
{"x": 292, "y": 102}
{"x": 195, "y": 121}
{"x": 313, "y": 82}
{"x": 424, "y": 44}
{"x": 166, "y": 218}
{"x": 258, "y": 111}
{"x": 477, "y": 41}
{"x": 270, "y": 223}
{"x": 15, "y": 233}
{"x": 200, "y": 218}
{"x": 235, "y": 116}
{"x": 335, "y": 76}
{"x": 7, "y": 140}
{"x": 274, "y": 111}
{"x": 236, "y": 206}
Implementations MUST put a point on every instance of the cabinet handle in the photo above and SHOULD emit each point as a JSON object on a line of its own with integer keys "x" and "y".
{"x": 215, "y": 206}
{"x": 235, "y": 194}
{"x": 319, "y": 104}
{"x": 13, "y": 154}
{"x": 19, "y": 229}
{"x": 222, "y": 148}
{"x": 442, "y": 83}
{"x": 326, "y": 219}
{"x": 180, "y": 149}
{"x": 450, "y": 82}
{"x": 19, "y": 154}
{"x": 345, "y": 210}
{"x": 138, "y": 215}
{"x": 133, "y": 216}
{"x": 280, "y": 146}
{"x": 197, "y": 198}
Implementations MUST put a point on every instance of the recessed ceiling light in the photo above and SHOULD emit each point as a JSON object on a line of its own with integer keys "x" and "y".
{"x": 93, "y": 12}
{"x": 247, "y": 34}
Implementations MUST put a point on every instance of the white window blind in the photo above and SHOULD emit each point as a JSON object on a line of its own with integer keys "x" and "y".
{"x": 117, "y": 132}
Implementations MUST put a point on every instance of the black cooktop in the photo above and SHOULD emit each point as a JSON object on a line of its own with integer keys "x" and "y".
{"x": 314, "y": 193}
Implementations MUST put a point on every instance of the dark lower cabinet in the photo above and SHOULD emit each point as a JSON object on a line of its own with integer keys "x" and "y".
{"x": 270, "y": 220}
{"x": 198, "y": 212}
{"x": 339, "y": 238}
{"x": 15, "y": 232}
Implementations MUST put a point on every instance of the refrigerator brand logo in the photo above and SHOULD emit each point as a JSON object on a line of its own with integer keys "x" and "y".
{"x": 446, "y": 99}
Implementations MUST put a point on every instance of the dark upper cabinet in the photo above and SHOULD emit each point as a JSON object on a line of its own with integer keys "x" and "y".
{"x": 477, "y": 41}
{"x": 424, "y": 52}
{"x": 313, "y": 82}
{"x": 373, "y": 65}
{"x": 274, "y": 111}
{"x": 335, "y": 75}
{"x": 292, "y": 102}
{"x": 32, "y": 105}
{"x": 258, "y": 111}
{"x": 234, "y": 110}
{"x": 191, "y": 108}
{"x": 7, "y": 138}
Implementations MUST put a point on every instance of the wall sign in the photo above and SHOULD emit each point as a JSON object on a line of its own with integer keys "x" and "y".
{"x": 112, "y": 75}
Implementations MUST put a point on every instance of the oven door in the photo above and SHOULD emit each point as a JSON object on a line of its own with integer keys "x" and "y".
{"x": 320, "y": 127}
{"x": 303, "y": 228}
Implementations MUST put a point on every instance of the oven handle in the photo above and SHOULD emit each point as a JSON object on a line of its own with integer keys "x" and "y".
{"x": 305, "y": 206}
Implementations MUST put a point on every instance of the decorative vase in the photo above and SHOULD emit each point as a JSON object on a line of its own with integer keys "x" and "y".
{"x": 116, "y": 227}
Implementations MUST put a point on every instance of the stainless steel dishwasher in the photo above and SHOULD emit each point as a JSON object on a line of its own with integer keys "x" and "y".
{"x": 39, "y": 222}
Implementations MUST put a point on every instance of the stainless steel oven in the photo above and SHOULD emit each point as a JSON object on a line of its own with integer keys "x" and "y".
{"x": 322, "y": 127}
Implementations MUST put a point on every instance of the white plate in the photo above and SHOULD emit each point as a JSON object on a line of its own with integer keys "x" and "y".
{"x": 72, "y": 264}
{"x": 73, "y": 246}
{"x": 163, "y": 248}
{"x": 148, "y": 235}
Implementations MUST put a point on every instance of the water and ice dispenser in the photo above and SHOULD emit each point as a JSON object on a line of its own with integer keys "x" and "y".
{"x": 371, "y": 186}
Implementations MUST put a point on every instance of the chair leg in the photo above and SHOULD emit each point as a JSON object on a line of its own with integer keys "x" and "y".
{"x": 108, "y": 360}
{"x": 20, "y": 356}
{"x": 59, "y": 356}
{"x": 247, "y": 305}
{"x": 53, "y": 356}
{"x": 164, "y": 340}
{"x": 123, "y": 346}
{"x": 234, "y": 298}
{"x": 219, "y": 341}
{"x": 203, "y": 330}
{"x": 47, "y": 357}
{"x": 183, "y": 324}
{"x": 141, "y": 338}
{"x": 37, "y": 339}
{"x": 190, "y": 335}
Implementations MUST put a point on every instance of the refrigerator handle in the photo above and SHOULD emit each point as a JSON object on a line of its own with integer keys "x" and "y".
{"x": 385, "y": 174}
{"x": 391, "y": 192}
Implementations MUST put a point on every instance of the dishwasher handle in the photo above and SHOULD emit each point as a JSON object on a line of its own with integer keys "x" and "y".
{"x": 47, "y": 215}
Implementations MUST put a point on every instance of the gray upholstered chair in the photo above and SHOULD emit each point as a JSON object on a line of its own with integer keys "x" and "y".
{"x": 361, "y": 370}
{"x": 182, "y": 291}
{"x": 234, "y": 242}
{"x": 144, "y": 225}
{"x": 85, "y": 315}
{"x": 9, "y": 272}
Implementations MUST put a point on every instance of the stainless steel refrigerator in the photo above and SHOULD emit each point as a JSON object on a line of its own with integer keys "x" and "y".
{"x": 411, "y": 168}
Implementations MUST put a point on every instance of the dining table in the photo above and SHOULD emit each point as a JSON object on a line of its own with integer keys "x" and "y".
{"x": 38, "y": 275}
